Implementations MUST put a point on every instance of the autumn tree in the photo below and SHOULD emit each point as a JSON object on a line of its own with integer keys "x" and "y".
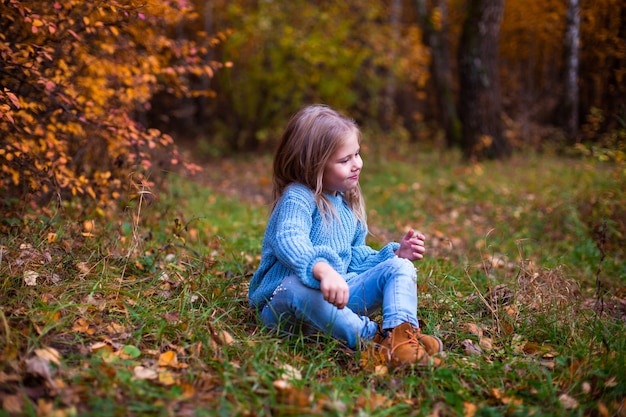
{"x": 479, "y": 96}
{"x": 602, "y": 72}
{"x": 347, "y": 54}
{"x": 76, "y": 77}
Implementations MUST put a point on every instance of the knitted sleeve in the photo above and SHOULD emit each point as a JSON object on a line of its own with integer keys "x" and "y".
{"x": 364, "y": 257}
{"x": 292, "y": 244}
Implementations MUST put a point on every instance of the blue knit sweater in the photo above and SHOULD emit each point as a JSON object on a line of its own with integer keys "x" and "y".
{"x": 296, "y": 238}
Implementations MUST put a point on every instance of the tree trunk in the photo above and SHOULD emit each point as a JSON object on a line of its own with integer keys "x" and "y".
{"x": 570, "y": 96}
{"x": 436, "y": 38}
{"x": 479, "y": 102}
{"x": 389, "y": 107}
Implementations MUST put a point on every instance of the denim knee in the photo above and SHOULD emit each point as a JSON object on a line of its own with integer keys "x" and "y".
{"x": 402, "y": 267}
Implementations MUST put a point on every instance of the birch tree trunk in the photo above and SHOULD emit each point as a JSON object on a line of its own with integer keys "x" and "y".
{"x": 479, "y": 99}
{"x": 570, "y": 96}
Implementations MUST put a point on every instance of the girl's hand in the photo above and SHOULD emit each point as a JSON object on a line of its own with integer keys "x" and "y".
{"x": 334, "y": 288}
{"x": 412, "y": 246}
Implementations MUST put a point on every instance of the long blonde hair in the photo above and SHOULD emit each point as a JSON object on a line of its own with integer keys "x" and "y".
{"x": 310, "y": 139}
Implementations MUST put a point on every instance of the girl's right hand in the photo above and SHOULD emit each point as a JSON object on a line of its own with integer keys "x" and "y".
{"x": 334, "y": 288}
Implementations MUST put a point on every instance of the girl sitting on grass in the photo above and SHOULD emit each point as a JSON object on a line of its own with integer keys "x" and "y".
{"x": 316, "y": 271}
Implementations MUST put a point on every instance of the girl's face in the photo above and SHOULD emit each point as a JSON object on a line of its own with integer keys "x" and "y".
{"x": 341, "y": 172}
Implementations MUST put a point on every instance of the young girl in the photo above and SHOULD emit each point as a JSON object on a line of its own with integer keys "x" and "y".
{"x": 316, "y": 272}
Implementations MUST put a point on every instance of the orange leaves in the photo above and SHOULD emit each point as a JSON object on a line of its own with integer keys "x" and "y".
{"x": 79, "y": 98}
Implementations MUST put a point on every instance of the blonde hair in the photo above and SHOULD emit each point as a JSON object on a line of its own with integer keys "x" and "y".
{"x": 310, "y": 139}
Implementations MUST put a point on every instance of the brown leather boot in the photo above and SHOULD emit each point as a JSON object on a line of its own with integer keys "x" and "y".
{"x": 408, "y": 346}
{"x": 432, "y": 344}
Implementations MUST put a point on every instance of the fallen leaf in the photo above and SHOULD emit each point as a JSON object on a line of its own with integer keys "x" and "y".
{"x": 13, "y": 404}
{"x": 166, "y": 378}
{"x": 44, "y": 407}
{"x": 532, "y": 348}
{"x": 30, "y": 278}
{"x": 293, "y": 397}
{"x": 40, "y": 367}
{"x": 49, "y": 354}
{"x": 83, "y": 269}
{"x": 486, "y": 344}
{"x": 115, "y": 328}
{"x": 290, "y": 372}
{"x": 101, "y": 347}
{"x": 145, "y": 373}
{"x": 89, "y": 226}
{"x": 511, "y": 310}
{"x": 469, "y": 409}
{"x": 82, "y": 326}
{"x": 168, "y": 359}
{"x": 281, "y": 384}
{"x": 504, "y": 399}
{"x": 568, "y": 402}
{"x": 472, "y": 328}
{"x": 381, "y": 370}
{"x": 226, "y": 338}
{"x": 372, "y": 401}
{"x": 470, "y": 348}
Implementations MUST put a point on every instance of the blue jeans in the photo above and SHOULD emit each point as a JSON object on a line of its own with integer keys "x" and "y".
{"x": 391, "y": 286}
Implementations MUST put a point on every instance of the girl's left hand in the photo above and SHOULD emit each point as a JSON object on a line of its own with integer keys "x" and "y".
{"x": 412, "y": 246}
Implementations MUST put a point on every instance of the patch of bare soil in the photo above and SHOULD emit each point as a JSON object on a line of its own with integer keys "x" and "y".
{"x": 250, "y": 180}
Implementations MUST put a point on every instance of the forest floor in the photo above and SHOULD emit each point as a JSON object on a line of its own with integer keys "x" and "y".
{"x": 144, "y": 312}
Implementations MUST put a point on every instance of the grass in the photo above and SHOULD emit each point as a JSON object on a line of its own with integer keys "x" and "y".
{"x": 144, "y": 311}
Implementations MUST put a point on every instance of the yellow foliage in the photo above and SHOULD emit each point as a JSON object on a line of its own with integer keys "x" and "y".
{"x": 69, "y": 95}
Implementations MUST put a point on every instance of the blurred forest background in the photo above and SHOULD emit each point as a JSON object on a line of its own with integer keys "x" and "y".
{"x": 93, "y": 93}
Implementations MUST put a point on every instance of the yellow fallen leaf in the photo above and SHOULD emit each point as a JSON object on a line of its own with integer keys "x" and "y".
{"x": 469, "y": 409}
{"x": 82, "y": 326}
{"x": 168, "y": 359}
{"x": 166, "y": 378}
{"x": 89, "y": 226}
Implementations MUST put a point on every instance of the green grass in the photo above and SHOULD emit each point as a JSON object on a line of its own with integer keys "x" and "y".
{"x": 171, "y": 275}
